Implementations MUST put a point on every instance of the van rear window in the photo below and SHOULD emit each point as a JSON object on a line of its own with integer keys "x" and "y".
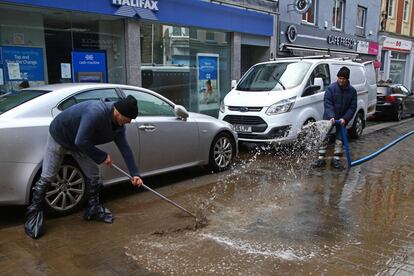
{"x": 11, "y": 100}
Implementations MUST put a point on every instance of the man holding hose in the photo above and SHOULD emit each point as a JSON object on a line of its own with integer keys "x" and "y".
{"x": 77, "y": 131}
{"x": 340, "y": 103}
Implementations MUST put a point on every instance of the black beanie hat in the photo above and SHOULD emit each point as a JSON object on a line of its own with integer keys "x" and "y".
{"x": 343, "y": 72}
{"x": 127, "y": 107}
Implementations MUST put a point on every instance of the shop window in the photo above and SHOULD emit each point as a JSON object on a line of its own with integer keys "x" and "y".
{"x": 361, "y": 21}
{"x": 310, "y": 15}
{"x": 338, "y": 14}
{"x": 48, "y": 38}
{"x": 187, "y": 65}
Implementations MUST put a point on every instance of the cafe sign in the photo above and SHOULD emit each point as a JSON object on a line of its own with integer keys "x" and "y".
{"x": 143, "y": 4}
{"x": 341, "y": 41}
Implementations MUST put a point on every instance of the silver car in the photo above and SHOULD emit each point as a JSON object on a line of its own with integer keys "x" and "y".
{"x": 164, "y": 137}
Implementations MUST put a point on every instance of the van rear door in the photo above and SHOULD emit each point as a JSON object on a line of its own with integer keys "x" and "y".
{"x": 371, "y": 86}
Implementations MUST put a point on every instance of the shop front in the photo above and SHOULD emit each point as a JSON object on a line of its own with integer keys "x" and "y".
{"x": 181, "y": 49}
{"x": 303, "y": 40}
{"x": 396, "y": 60}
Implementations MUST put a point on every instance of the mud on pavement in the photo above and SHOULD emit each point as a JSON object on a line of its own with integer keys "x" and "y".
{"x": 271, "y": 214}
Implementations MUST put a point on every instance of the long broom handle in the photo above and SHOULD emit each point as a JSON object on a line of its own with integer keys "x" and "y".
{"x": 158, "y": 194}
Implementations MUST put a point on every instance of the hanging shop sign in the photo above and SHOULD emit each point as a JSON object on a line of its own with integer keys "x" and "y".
{"x": 302, "y": 6}
{"x": 23, "y": 63}
{"x": 89, "y": 66}
{"x": 208, "y": 81}
{"x": 143, "y": 4}
{"x": 395, "y": 44}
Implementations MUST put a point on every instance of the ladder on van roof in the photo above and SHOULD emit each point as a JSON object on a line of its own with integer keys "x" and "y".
{"x": 319, "y": 57}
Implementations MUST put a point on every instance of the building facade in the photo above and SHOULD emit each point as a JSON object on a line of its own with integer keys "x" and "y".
{"x": 337, "y": 28}
{"x": 186, "y": 50}
{"x": 396, "y": 41}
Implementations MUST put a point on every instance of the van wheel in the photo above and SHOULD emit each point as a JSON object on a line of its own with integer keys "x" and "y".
{"x": 357, "y": 127}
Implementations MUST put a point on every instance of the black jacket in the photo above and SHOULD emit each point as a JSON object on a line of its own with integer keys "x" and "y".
{"x": 340, "y": 102}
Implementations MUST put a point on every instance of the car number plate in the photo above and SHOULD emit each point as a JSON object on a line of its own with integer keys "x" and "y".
{"x": 242, "y": 128}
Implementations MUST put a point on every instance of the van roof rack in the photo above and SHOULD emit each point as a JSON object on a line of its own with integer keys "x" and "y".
{"x": 304, "y": 57}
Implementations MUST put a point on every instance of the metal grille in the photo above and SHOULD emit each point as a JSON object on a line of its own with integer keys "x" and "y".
{"x": 244, "y": 120}
{"x": 245, "y": 108}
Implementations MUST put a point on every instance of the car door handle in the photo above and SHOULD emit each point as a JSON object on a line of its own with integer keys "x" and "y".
{"x": 148, "y": 128}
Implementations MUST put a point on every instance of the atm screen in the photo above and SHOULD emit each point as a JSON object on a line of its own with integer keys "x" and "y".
{"x": 90, "y": 77}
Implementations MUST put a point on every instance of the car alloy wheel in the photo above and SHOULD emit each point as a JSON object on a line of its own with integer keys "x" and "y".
{"x": 222, "y": 152}
{"x": 67, "y": 192}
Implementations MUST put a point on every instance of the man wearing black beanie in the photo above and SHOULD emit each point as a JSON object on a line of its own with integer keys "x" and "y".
{"x": 76, "y": 132}
{"x": 340, "y": 103}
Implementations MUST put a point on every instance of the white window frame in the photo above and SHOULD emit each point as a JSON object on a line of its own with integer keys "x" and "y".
{"x": 406, "y": 10}
{"x": 340, "y": 3}
{"x": 364, "y": 20}
{"x": 391, "y": 8}
{"x": 306, "y": 15}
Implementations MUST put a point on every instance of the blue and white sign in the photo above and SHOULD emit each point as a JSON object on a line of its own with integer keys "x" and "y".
{"x": 89, "y": 66}
{"x": 208, "y": 81}
{"x": 29, "y": 60}
{"x": 143, "y": 4}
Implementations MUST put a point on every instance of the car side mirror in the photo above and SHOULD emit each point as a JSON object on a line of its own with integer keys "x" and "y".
{"x": 233, "y": 83}
{"x": 181, "y": 112}
{"x": 319, "y": 81}
{"x": 310, "y": 90}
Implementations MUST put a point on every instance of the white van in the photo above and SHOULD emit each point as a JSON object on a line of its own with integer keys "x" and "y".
{"x": 274, "y": 100}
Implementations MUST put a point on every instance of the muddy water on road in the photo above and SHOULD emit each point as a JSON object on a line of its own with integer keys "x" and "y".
{"x": 274, "y": 214}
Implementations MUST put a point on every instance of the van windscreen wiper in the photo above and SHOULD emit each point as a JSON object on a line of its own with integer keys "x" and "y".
{"x": 278, "y": 81}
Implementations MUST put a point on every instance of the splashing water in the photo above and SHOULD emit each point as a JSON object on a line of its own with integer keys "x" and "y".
{"x": 243, "y": 207}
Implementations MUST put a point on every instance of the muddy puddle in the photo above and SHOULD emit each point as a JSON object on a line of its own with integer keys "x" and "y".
{"x": 275, "y": 214}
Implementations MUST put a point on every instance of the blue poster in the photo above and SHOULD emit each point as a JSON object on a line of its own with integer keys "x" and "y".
{"x": 208, "y": 81}
{"x": 30, "y": 60}
{"x": 89, "y": 66}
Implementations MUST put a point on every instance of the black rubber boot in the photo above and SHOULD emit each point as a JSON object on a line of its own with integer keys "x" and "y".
{"x": 337, "y": 164}
{"x": 95, "y": 210}
{"x": 33, "y": 224}
{"x": 319, "y": 163}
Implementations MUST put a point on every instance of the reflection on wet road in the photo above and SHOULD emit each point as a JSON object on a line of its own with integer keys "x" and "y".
{"x": 272, "y": 214}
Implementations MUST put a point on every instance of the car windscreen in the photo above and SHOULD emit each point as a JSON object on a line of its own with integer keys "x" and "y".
{"x": 274, "y": 76}
{"x": 11, "y": 100}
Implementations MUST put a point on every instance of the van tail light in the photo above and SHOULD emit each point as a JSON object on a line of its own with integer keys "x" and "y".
{"x": 390, "y": 99}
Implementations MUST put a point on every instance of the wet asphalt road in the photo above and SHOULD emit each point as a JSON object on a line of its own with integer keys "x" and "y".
{"x": 271, "y": 214}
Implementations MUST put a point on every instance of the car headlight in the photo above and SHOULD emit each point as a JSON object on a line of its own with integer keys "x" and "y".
{"x": 281, "y": 107}
{"x": 222, "y": 107}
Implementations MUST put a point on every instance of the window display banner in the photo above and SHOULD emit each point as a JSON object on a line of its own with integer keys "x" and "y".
{"x": 89, "y": 66}
{"x": 25, "y": 63}
{"x": 208, "y": 81}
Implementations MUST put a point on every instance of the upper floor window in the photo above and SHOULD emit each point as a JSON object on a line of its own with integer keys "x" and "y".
{"x": 361, "y": 21}
{"x": 310, "y": 15}
{"x": 338, "y": 14}
{"x": 406, "y": 10}
{"x": 391, "y": 8}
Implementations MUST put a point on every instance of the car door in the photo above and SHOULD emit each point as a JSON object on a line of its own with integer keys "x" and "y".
{"x": 107, "y": 94}
{"x": 165, "y": 141}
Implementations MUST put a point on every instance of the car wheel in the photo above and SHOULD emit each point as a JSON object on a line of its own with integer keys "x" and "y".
{"x": 398, "y": 114}
{"x": 67, "y": 193}
{"x": 222, "y": 152}
{"x": 357, "y": 127}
